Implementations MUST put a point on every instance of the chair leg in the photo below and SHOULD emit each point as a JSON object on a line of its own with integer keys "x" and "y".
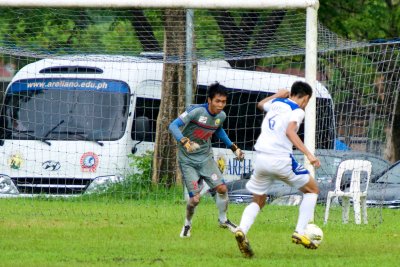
{"x": 328, "y": 205}
{"x": 346, "y": 209}
{"x": 364, "y": 209}
{"x": 356, "y": 206}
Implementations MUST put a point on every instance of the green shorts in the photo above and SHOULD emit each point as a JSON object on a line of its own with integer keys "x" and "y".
{"x": 195, "y": 174}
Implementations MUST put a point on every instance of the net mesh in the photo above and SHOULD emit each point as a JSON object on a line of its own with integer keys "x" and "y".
{"x": 73, "y": 118}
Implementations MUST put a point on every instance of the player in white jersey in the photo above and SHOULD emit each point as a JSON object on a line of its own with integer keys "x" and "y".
{"x": 274, "y": 161}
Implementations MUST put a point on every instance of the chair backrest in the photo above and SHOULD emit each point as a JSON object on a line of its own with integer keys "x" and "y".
{"x": 356, "y": 167}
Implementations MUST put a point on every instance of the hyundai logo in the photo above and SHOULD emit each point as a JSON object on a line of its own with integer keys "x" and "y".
{"x": 51, "y": 165}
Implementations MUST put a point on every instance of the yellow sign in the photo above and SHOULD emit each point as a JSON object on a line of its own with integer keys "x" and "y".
{"x": 221, "y": 163}
{"x": 15, "y": 161}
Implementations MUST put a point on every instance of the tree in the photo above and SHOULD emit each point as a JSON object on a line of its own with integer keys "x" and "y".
{"x": 172, "y": 97}
{"x": 361, "y": 19}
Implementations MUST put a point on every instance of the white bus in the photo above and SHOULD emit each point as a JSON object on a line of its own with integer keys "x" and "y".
{"x": 68, "y": 124}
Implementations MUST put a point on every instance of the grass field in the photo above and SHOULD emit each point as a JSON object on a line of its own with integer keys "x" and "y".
{"x": 143, "y": 233}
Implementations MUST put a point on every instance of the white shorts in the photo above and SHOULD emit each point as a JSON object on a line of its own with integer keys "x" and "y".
{"x": 270, "y": 168}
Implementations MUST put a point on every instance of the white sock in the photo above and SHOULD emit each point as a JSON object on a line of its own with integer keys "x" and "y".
{"x": 249, "y": 215}
{"x": 306, "y": 211}
{"x": 222, "y": 204}
{"x": 188, "y": 222}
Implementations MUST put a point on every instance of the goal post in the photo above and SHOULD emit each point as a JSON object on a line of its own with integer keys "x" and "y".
{"x": 311, "y": 30}
{"x": 204, "y": 4}
{"x": 311, "y": 78}
{"x": 305, "y": 43}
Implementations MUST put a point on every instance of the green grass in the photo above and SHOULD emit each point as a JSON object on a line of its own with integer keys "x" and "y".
{"x": 128, "y": 233}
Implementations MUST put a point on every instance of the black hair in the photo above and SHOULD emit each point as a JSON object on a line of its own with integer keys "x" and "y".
{"x": 216, "y": 89}
{"x": 301, "y": 89}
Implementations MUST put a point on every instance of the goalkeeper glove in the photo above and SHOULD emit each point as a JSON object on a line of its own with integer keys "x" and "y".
{"x": 190, "y": 146}
{"x": 238, "y": 152}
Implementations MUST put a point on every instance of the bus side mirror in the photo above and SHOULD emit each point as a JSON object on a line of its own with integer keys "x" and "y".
{"x": 141, "y": 127}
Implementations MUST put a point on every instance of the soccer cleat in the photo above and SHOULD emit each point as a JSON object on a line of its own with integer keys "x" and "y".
{"x": 303, "y": 240}
{"x": 228, "y": 224}
{"x": 185, "y": 231}
{"x": 243, "y": 244}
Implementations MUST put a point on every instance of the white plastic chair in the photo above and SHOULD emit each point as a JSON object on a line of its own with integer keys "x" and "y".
{"x": 358, "y": 196}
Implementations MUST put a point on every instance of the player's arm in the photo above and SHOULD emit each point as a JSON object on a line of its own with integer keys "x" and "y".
{"x": 291, "y": 133}
{"x": 174, "y": 129}
{"x": 174, "y": 126}
{"x": 221, "y": 134}
{"x": 283, "y": 93}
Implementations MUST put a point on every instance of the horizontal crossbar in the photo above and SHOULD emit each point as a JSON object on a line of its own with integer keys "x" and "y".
{"x": 203, "y": 4}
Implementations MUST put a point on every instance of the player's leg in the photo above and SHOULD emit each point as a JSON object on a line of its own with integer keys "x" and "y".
{"x": 260, "y": 181}
{"x": 258, "y": 185}
{"x": 213, "y": 177}
{"x": 190, "y": 208}
{"x": 251, "y": 211}
{"x": 306, "y": 213}
{"x": 248, "y": 217}
{"x": 307, "y": 205}
{"x": 191, "y": 181}
{"x": 222, "y": 200}
{"x": 301, "y": 179}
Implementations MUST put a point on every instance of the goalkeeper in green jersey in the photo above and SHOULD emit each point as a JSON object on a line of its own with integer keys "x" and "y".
{"x": 195, "y": 156}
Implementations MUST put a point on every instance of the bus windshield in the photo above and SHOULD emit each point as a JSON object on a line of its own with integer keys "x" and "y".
{"x": 65, "y": 109}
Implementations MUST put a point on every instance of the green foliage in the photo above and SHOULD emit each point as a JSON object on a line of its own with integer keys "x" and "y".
{"x": 67, "y": 31}
{"x": 156, "y": 19}
{"x": 137, "y": 184}
{"x": 207, "y": 33}
{"x": 377, "y": 130}
{"x": 361, "y": 19}
{"x": 351, "y": 74}
{"x": 283, "y": 63}
{"x": 63, "y": 31}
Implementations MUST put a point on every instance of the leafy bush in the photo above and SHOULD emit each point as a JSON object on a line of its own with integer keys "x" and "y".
{"x": 137, "y": 184}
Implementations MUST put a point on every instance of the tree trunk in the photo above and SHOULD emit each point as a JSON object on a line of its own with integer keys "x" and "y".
{"x": 165, "y": 167}
{"x": 391, "y": 72}
{"x": 395, "y": 140}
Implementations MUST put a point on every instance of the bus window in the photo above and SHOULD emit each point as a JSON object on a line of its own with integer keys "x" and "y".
{"x": 65, "y": 109}
{"x": 147, "y": 107}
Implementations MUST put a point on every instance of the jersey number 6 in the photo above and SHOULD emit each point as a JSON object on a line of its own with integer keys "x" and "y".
{"x": 271, "y": 122}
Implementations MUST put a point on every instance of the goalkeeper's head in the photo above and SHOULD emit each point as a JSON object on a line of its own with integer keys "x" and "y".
{"x": 216, "y": 89}
{"x": 217, "y": 96}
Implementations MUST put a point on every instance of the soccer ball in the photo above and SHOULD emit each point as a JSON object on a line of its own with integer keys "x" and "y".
{"x": 314, "y": 233}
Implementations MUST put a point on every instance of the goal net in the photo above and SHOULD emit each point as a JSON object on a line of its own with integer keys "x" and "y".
{"x": 82, "y": 89}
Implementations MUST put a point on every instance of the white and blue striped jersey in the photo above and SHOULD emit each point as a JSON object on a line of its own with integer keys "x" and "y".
{"x": 273, "y": 139}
